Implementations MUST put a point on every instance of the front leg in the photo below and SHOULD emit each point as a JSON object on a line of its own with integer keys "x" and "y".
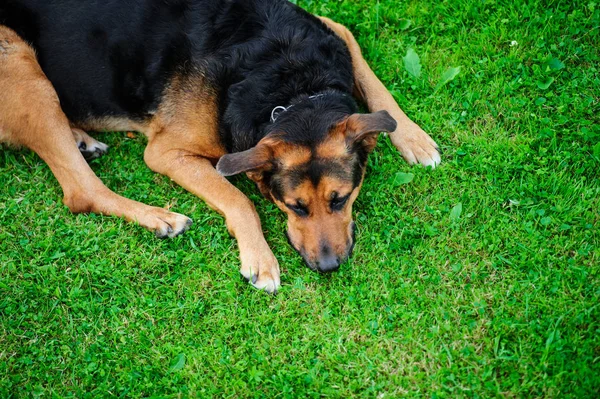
{"x": 198, "y": 176}
{"x": 413, "y": 143}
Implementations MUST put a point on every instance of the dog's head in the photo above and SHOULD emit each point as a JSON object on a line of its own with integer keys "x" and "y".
{"x": 311, "y": 164}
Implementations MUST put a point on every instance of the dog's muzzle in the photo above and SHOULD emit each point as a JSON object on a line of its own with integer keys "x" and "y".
{"x": 328, "y": 261}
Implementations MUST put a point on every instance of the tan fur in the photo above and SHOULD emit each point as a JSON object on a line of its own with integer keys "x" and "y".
{"x": 413, "y": 143}
{"x": 291, "y": 155}
{"x": 335, "y": 146}
{"x": 111, "y": 124}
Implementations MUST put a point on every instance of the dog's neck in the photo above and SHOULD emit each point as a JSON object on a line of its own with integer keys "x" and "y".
{"x": 307, "y": 118}
{"x": 280, "y": 109}
{"x": 300, "y": 111}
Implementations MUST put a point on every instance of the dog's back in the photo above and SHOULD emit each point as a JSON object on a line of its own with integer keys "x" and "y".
{"x": 115, "y": 58}
{"x": 106, "y": 58}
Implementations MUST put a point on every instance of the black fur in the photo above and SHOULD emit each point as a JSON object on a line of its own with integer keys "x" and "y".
{"x": 115, "y": 58}
{"x": 308, "y": 120}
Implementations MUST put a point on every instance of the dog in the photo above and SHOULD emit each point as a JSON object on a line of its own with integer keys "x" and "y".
{"x": 219, "y": 87}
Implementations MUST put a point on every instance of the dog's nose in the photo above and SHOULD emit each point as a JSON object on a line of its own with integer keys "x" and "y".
{"x": 328, "y": 264}
{"x": 328, "y": 261}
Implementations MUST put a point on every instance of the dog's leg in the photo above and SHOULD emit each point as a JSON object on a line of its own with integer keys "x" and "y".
{"x": 90, "y": 147}
{"x": 30, "y": 115}
{"x": 169, "y": 153}
{"x": 413, "y": 143}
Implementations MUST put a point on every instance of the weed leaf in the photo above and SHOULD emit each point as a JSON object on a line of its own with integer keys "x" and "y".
{"x": 544, "y": 84}
{"x": 596, "y": 150}
{"x": 403, "y": 178}
{"x": 177, "y": 363}
{"x": 404, "y": 24}
{"x": 456, "y": 211}
{"x": 555, "y": 64}
{"x": 412, "y": 63}
{"x": 546, "y": 221}
{"x": 447, "y": 76}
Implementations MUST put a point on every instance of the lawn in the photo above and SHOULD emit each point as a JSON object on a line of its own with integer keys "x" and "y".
{"x": 480, "y": 278}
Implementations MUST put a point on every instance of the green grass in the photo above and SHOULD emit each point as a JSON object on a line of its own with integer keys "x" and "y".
{"x": 498, "y": 300}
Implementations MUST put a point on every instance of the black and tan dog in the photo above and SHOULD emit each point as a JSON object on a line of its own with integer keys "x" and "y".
{"x": 253, "y": 86}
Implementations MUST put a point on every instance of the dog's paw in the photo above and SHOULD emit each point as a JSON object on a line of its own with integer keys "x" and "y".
{"x": 260, "y": 268}
{"x": 89, "y": 147}
{"x": 416, "y": 146}
{"x": 168, "y": 224}
{"x": 92, "y": 150}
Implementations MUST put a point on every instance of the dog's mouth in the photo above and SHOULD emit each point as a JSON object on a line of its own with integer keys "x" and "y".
{"x": 330, "y": 263}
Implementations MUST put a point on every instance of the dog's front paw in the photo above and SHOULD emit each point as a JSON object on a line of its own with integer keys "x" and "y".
{"x": 168, "y": 224}
{"x": 260, "y": 267}
{"x": 416, "y": 146}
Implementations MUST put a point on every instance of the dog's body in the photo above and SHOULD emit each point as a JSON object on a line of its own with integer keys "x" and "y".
{"x": 260, "y": 86}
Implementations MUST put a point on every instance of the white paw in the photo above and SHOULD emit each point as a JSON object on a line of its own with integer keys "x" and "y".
{"x": 89, "y": 147}
{"x": 169, "y": 224}
{"x": 416, "y": 146}
{"x": 260, "y": 268}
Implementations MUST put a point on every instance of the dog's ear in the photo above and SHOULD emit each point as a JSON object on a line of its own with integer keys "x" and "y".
{"x": 363, "y": 129}
{"x": 255, "y": 158}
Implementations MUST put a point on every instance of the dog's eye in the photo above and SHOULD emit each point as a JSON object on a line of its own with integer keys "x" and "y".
{"x": 298, "y": 209}
{"x": 337, "y": 204}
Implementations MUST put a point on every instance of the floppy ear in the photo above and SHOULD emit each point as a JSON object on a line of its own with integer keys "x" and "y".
{"x": 258, "y": 157}
{"x": 364, "y": 128}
